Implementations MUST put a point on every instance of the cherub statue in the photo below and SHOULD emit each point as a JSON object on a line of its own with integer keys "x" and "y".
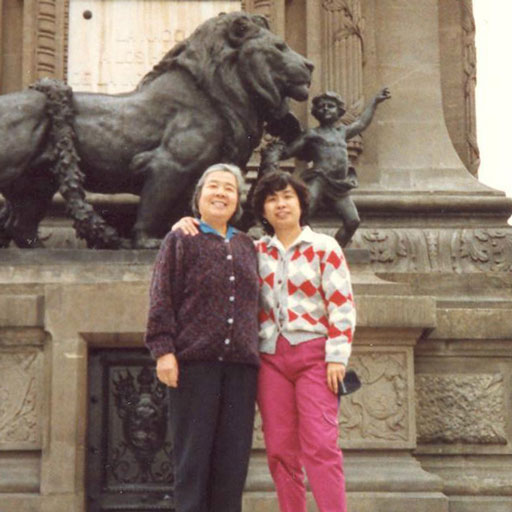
{"x": 331, "y": 176}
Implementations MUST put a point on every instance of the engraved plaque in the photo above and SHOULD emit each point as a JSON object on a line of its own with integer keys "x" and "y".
{"x": 114, "y": 43}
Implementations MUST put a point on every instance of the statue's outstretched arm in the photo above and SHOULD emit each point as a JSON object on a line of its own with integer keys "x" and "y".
{"x": 359, "y": 125}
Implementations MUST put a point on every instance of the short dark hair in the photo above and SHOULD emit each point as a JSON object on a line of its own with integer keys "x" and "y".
{"x": 274, "y": 182}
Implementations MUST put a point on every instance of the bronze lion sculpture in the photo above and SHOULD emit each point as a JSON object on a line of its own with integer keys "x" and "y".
{"x": 208, "y": 100}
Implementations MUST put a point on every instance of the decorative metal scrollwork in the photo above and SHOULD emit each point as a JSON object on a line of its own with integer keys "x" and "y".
{"x": 143, "y": 411}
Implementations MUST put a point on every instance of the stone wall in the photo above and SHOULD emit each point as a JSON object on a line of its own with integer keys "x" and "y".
{"x": 57, "y": 305}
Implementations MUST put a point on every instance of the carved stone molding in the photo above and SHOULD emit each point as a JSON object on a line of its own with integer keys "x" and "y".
{"x": 16, "y": 337}
{"x": 46, "y": 39}
{"x": 65, "y": 49}
{"x": 20, "y": 395}
{"x": 353, "y": 23}
{"x": 437, "y": 250}
{"x": 468, "y": 409}
{"x": 379, "y": 411}
{"x": 469, "y": 55}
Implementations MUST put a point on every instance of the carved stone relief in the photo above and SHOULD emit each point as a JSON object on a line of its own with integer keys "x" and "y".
{"x": 469, "y": 55}
{"x": 20, "y": 395}
{"x": 467, "y": 409}
{"x": 379, "y": 411}
{"x": 436, "y": 250}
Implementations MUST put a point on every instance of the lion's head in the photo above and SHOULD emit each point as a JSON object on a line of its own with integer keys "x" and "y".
{"x": 237, "y": 60}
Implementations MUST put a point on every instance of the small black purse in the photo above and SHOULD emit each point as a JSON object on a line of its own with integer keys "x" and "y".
{"x": 349, "y": 384}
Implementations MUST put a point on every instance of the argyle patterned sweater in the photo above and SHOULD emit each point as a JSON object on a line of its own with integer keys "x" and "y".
{"x": 315, "y": 284}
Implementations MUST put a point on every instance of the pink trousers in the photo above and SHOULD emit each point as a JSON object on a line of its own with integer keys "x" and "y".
{"x": 300, "y": 425}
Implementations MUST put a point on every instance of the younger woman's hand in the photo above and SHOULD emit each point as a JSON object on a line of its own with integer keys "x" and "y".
{"x": 335, "y": 374}
{"x": 188, "y": 225}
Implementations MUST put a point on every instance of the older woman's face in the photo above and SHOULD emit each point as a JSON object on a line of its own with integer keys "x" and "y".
{"x": 219, "y": 198}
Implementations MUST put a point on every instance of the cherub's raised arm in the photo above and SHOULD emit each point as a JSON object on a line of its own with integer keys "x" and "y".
{"x": 359, "y": 125}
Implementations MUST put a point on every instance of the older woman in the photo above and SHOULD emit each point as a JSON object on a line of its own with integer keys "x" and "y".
{"x": 203, "y": 332}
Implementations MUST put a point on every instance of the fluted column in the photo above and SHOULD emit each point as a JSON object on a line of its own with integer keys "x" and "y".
{"x": 413, "y": 150}
{"x": 342, "y": 57}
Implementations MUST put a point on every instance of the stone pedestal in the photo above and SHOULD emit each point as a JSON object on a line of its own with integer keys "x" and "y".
{"x": 56, "y": 305}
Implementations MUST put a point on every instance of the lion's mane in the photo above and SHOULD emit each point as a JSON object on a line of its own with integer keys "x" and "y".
{"x": 219, "y": 72}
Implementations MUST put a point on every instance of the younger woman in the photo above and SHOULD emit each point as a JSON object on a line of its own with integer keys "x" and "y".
{"x": 307, "y": 320}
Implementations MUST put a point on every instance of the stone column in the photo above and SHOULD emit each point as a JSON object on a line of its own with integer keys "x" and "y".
{"x": 342, "y": 58}
{"x": 413, "y": 149}
{"x": 458, "y": 78}
{"x": 421, "y": 208}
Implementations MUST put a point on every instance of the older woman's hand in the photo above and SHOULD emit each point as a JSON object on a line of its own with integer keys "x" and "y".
{"x": 167, "y": 370}
{"x": 335, "y": 374}
{"x": 188, "y": 225}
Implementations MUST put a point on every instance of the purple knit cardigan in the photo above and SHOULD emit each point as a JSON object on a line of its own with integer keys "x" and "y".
{"x": 204, "y": 299}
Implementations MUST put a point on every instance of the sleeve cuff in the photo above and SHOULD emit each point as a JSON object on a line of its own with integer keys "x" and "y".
{"x": 337, "y": 359}
{"x": 160, "y": 348}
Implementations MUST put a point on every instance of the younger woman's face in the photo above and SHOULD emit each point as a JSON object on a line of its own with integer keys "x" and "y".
{"x": 282, "y": 209}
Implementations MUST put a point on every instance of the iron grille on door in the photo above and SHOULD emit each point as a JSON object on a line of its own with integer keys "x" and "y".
{"x": 129, "y": 452}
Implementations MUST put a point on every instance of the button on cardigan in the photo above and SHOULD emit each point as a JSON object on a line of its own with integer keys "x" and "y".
{"x": 204, "y": 292}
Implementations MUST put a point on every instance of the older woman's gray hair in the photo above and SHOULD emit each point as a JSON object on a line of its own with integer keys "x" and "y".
{"x": 232, "y": 169}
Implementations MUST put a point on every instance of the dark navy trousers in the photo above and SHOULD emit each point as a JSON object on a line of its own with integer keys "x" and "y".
{"x": 211, "y": 419}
